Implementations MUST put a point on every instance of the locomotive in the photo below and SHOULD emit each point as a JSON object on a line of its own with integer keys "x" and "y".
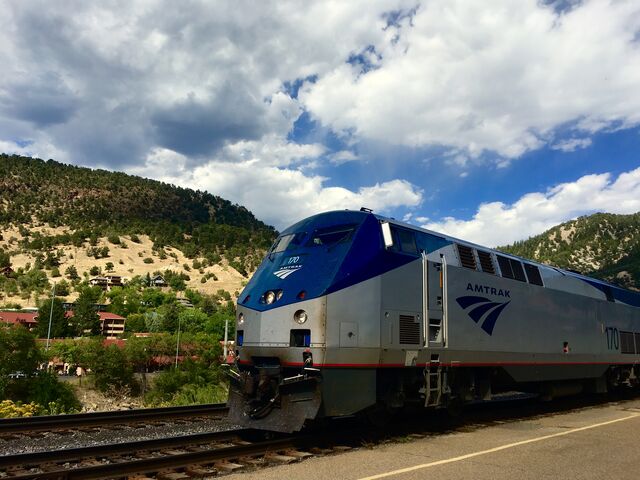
{"x": 353, "y": 313}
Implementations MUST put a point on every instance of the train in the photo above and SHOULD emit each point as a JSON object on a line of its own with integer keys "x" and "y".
{"x": 352, "y": 313}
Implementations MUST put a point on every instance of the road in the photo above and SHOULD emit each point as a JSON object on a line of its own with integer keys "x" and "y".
{"x": 596, "y": 442}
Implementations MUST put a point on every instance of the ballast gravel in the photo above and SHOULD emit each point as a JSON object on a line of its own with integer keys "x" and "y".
{"x": 62, "y": 440}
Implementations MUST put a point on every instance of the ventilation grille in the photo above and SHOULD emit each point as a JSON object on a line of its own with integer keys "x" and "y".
{"x": 505, "y": 266}
{"x": 409, "y": 330}
{"x": 467, "y": 258}
{"x": 626, "y": 343}
{"x": 486, "y": 264}
{"x": 533, "y": 274}
{"x": 518, "y": 272}
{"x": 637, "y": 335}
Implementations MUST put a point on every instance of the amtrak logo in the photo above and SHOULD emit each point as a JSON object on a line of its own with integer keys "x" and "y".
{"x": 480, "y": 307}
{"x": 284, "y": 272}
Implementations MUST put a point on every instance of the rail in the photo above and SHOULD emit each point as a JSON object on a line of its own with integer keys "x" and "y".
{"x": 51, "y": 422}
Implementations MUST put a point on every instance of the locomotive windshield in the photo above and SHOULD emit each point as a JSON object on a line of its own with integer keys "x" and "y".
{"x": 287, "y": 242}
{"x": 331, "y": 235}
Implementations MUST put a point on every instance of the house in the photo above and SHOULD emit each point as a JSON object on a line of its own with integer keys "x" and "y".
{"x": 27, "y": 319}
{"x": 6, "y": 271}
{"x": 158, "y": 281}
{"x": 106, "y": 282}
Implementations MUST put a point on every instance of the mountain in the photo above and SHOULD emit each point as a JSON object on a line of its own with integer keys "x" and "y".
{"x": 53, "y": 216}
{"x": 602, "y": 245}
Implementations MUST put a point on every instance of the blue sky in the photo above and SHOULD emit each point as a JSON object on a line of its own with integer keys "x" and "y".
{"x": 490, "y": 121}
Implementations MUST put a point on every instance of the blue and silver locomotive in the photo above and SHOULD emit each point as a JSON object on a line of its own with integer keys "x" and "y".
{"x": 351, "y": 312}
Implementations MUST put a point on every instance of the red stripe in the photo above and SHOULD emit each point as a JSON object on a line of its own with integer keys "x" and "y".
{"x": 454, "y": 364}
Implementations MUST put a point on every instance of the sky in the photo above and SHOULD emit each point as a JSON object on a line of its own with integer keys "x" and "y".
{"x": 490, "y": 121}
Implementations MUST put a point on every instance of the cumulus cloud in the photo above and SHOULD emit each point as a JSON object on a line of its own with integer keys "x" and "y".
{"x": 497, "y": 223}
{"x": 278, "y": 196}
{"x": 572, "y": 144}
{"x": 497, "y": 76}
{"x": 192, "y": 76}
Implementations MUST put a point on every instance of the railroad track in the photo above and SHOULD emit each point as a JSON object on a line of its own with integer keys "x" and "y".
{"x": 171, "y": 458}
{"x": 26, "y": 425}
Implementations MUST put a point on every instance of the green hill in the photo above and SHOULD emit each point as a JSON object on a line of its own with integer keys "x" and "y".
{"x": 602, "y": 245}
{"x": 96, "y": 203}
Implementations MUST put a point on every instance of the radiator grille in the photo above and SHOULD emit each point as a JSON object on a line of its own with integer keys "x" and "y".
{"x": 409, "y": 330}
{"x": 626, "y": 342}
{"x": 467, "y": 259}
{"x": 485, "y": 262}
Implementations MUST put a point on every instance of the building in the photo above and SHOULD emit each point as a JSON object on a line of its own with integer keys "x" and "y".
{"x": 158, "y": 281}
{"x": 111, "y": 325}
{"x": 27, "y": 319}
{"x": 106, "y": 282}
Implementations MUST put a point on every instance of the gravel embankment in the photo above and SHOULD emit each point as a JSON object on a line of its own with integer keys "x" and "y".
{"x": 123, "y": 433}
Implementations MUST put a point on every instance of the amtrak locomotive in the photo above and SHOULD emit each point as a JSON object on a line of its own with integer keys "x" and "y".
{"x": 351, "y": 312}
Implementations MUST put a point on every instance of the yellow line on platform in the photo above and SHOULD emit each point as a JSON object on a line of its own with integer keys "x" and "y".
{"x": 496, "y": 449}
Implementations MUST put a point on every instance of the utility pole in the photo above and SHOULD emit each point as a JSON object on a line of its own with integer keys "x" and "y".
{"x": 53, "y": 296}
{"x": 178, "y": 341}
{"x": 226, "y": 339}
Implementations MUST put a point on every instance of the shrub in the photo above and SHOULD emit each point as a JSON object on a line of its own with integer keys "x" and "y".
{"x": 71, "y": 272}
{"x": 54, "y": 396}
{"x": 95, "y": 270}
{"x": 115, "y": 239}
{"x": 9, "y": 409}
{"x": 135, "y": 238}
{"x": 148, "y": 260}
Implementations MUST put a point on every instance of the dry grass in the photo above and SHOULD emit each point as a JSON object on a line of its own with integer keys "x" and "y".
{"x": 127, "y": 262}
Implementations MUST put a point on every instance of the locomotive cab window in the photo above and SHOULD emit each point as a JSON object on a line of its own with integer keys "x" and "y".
{"x": 405, "y": 240}
{"x": 511, "y": 268}
{"x": 287, "y": 242}
{"x": 331, "y": 235}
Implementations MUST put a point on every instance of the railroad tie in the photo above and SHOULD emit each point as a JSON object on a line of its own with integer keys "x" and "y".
{"x": 278, "y": 458}
{"x": 227, "y": 467}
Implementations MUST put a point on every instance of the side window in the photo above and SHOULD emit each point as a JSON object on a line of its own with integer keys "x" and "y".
{"x": 467, "y": 258}
{"x": 406, "y": 240}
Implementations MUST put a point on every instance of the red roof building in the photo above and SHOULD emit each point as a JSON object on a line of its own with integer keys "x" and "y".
{"x": 111, "y": 325}
{"x": 28, "y": 319}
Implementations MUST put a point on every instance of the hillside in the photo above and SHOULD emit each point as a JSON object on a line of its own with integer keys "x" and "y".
{"x": 55, "y": 216}
{"x": 602, "y": 245}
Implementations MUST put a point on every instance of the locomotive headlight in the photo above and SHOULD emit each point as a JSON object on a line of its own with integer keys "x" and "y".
{"x": 269, "y": 297}
{"x": 300, "y": 316}
{"x": 241, "y": 319}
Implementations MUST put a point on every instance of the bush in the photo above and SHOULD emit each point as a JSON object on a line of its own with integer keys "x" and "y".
{"x": 192, "y": 382}
{"x": 95, "y": 270}
{"x": 148, "y": 260}
{"x": 111, "y": 369}
{"x": 135, "y": 238}
{"x": 115, "y": 239}
{"x": 9, "y": 409}
{"x": 71, "y": 272}
{"x": 54, "y": 396}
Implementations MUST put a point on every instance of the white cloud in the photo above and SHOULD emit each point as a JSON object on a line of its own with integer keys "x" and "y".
{"x": 343, "y": 156}
{"x": 497, "y": 223}
{"x": 495, "y": 76}
{"x": 572, "y": 144}
{"x": 278, "y": 196}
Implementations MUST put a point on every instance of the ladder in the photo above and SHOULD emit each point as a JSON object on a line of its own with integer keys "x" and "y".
{"x": 433, "y": 383}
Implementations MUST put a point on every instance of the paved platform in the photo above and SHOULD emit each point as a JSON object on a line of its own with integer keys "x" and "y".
{"x": 598, "y": 442}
